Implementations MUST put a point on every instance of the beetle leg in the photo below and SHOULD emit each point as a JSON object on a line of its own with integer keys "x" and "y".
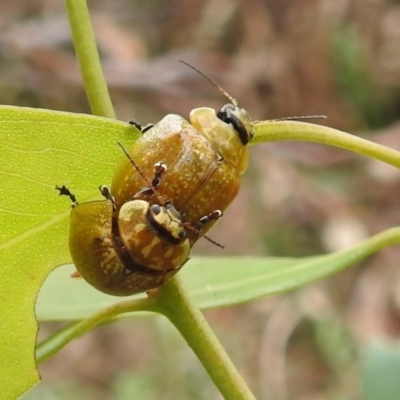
{"x": 64, "y": 191}
{"x": 159, "y": 170}
{"x": 105, "y": 192}
{"x": 196, "y": 228}
{"x": 135, "y": 124}
{"x": 75, "y": 275}
{"x": 147, "y": 127}
{"x": 213, "y": 216}
{"x": 141, "y": 128}
{"x": 149, "y": 190}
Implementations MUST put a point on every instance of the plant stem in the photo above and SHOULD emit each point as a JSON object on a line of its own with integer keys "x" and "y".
{"x": 173, "y": 302}
{"x": 272, "y": 131}
{"x": 88, "y": 57}
{"x": 60, "y": 339}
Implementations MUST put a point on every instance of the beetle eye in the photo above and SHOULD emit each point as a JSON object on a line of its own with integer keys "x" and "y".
{"x": 156, "y": 209}
{"x": 227, "y": 115}
{"x": 173, "y": 211}
{"x": 182, "y": 234}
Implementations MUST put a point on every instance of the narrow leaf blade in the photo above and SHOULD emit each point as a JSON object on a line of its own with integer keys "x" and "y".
{"x": 213, "y": 282}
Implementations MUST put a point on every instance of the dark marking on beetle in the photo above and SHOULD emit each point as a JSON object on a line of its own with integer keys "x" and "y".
{"x": 226, "y": 115}
{"x": 161, "y": 231}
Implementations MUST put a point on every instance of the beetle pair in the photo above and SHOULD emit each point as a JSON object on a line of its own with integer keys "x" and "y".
{"x": 135, "y": 240}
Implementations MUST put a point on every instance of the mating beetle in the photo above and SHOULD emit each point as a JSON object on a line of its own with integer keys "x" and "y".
{"x": 205, "y": 160}
{"x": 136, "y": 251}
{"x": 135, "y": 240}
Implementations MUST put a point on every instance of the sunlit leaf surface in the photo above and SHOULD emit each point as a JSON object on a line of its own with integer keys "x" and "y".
{"x": 41, "y": 149}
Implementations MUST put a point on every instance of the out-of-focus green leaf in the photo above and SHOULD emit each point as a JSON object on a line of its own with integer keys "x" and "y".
{"x": 381, "y": 372}
{"x": 41, "y": 149}
{"x": 213, "y": 282}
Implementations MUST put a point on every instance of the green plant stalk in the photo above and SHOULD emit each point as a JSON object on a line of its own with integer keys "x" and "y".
{"x": 61, "y": 338}
{"x": 173, "y": 302}
{"x": 88, "y": 57}
{"x": 275, "y": 130}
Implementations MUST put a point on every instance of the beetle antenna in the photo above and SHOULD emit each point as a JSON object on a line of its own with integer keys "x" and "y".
{"x": 224, "y": 92}
{"x": 148, "y": 182}
{"x": 214, "y": 242}
{"x": 189, "y": 226}
{"x": 133, "y": 163}
{"x": 301, "y": 117}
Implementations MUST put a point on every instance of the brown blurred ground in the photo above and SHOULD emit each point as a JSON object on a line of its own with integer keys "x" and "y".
{"x": 294, "y": 57}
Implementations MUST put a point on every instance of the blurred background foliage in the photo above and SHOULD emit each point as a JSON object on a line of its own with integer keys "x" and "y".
{"x": 336, "y": 339}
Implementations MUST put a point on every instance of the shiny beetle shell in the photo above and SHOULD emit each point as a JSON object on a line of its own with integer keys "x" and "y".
{"x": 126, "y": 255}
{"x": 205, "y": 159}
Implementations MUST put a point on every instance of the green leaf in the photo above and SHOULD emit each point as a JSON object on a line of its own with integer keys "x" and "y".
{"x": 41, "y": 149}
{"x": 381, "y": 371}
{"x": 212, "y": 282}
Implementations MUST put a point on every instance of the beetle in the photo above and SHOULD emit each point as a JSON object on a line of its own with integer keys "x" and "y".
{"x": 136, "y": 251}
{"x": 205, "y": 155}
